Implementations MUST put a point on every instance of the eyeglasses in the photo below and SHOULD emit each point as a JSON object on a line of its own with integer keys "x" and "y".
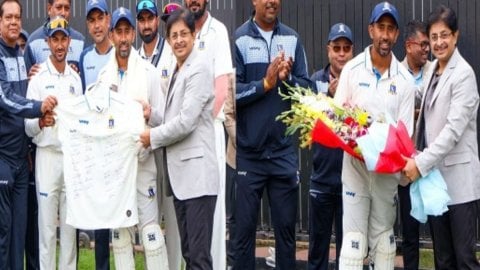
{"x": 442, "y": 36}
{"x": 176, "y": 35}
{"x": 57, "y": 23}
{"x": 146, "y": 4}
{"x": 170, "y": 7}
{"x": 423, "y": 45}
{"x": 337, "y": 48}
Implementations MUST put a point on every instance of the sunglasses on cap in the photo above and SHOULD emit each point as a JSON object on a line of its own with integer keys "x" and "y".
{"x": 57, "y": 23}
{"x": 170, "y": 7}
{"x": 145, "y": 4}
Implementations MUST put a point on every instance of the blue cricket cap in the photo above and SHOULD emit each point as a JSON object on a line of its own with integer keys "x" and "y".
{"x": 97, "y": 4}
{"x": 122, "y": 13}
{"x": 384, "y": 8}
{"x": 340, "y": 30}
{"x": 147, "y": 5}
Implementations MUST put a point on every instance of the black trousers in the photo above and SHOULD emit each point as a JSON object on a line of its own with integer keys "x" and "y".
{"x": 410, "y": 230}
{"x": 282, "y": 189}
{"x": 453, "y": 235}
{"x": 13, "y": 213}
{"x": 230, "y": 210}
{"x": 102, "y": 249}
{"x": 195, "y": 225}
{"x": 324, "y": 209}
{"x": 32, "y": 261}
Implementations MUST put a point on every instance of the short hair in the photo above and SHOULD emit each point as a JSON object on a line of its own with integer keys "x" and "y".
{"x": 52, "y": 1}
{"x": 413, "y": 27}
{"x": 11, "y": 1}
{"x": 443, "y": 14}
{"x": 184, "y": 15}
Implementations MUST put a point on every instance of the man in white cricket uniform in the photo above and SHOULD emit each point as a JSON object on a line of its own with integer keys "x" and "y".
{"x": 158, "y": 52}
{"x": 128, "y": 74}
{"x": 377, "y": 82}
{"x": 56, "y": 78}
{"x": 212, "y": 40}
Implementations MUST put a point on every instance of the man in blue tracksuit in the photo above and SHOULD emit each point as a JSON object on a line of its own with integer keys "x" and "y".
{"x": 13, "y": 141}
{"x": 325, "y": 199}
{"x": 267, "y": 54}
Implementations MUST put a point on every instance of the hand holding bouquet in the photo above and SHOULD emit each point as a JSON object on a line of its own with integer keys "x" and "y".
{"x": 320, "y": 120}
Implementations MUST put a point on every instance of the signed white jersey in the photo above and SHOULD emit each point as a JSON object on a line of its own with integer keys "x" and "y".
{"x": 99, "y": 134}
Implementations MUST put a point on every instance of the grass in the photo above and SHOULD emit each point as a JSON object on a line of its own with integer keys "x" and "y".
{"x": 86, "y": 260}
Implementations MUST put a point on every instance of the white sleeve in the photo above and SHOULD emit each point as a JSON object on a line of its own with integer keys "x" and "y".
{"x": 222, "y": 54}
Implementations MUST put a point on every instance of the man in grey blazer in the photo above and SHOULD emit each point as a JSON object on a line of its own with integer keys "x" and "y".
{"x": 447, "y": 137}
{"x": 187, "y": 134}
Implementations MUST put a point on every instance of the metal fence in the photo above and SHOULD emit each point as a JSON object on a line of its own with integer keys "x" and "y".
{"x": 312, "y": 20}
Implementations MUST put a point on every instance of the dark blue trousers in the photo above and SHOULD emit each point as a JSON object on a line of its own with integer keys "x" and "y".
{"x": 280, "y": 178}
{"x": 324, "y": 209}
{"x": 102, "y": 249}
{"x": 230, "y": 209}
{"x": 13, "y": 213}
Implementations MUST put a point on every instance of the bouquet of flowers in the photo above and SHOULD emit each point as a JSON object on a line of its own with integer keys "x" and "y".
{"x": 381, "y": 144}
{"x": 320, "y": 120}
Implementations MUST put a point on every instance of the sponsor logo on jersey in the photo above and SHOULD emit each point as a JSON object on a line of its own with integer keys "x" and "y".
{"x": 350, "y": 193}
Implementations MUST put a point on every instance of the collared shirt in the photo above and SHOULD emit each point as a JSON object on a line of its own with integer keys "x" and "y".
{"x": 165, "y": 62}
{"x": 91, "y": 62}
{"x": 213, "y": 43}
{"x": 48, "y": 81}
{"x": 37, "y": 50}
{"x": 390, "y": 95}
{"x": 419, "y": 83}
{"x": 100, "y": 159}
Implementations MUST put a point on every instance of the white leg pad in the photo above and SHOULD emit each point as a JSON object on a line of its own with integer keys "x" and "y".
{"x": 123, "y": 249}
{"x": 354, "y": 250}
{"x": 154, "y": 245}
{"x": 385, "y": 251}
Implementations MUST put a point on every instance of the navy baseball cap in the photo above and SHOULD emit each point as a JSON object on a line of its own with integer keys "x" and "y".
{"x": 122, "y": 13}
{"x": 97, "y": 4}
{"x": 340, "y": 30}
{"x": 56, "y": 24}
{"x": 147, "y": 5}
{"x": 24, "y": 33}
{"x": 384, "y": 8}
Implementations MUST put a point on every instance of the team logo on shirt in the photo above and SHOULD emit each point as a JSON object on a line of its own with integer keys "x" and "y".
{"x": 201, "y": 45}
{"x": 393, "y": 89}
{"x": 129, "y": 213}
{"x": 280, "y": 47}
{"x": 72, "y": 90}
{"x": 164, "y": 73}
{"x": 111, "y": 122}
{"x": 151, "y": 192}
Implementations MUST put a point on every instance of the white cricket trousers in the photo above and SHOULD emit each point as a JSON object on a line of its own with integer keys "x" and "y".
{"x": 218, "y": 248}
{"x": 52, "y": 207}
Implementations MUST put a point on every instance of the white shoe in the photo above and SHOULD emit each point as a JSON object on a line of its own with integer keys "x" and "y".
{"x": 270, "y": 259}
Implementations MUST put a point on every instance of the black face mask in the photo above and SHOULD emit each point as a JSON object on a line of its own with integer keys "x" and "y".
{"x": 149, "y": 38}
